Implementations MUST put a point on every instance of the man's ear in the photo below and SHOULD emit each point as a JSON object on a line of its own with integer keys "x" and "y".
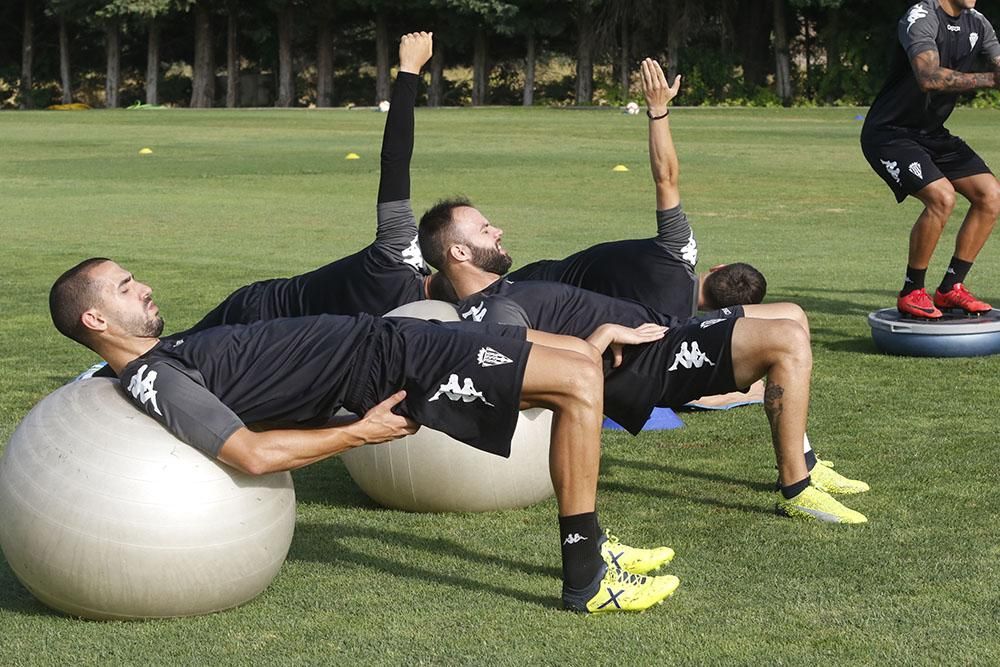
{"x": 459, "y": 252}
{"x": 94, "y": 320}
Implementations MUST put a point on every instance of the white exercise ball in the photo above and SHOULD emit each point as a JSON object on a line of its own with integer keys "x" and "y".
{"x": 432, "y": 472}
{"x": 106, "y": 515}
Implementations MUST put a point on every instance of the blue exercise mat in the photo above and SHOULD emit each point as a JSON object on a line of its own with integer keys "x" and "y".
{"x": 662, "y": 419}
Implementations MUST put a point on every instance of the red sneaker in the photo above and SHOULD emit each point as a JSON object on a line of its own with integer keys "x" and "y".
{"x": 918, "y": 304}
{"x": 961, "y": 299}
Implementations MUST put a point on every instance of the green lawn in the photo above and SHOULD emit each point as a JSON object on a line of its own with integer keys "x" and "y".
{"x": 230, "y": 197}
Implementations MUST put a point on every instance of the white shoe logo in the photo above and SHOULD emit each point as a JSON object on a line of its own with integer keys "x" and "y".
{"x": 707, "y": 323}
{"x": 142, "y": 388}
{"x": 690, "y": 357}
{"x": 475, "y": 313}
{"x": 413, "y": 256}
{"x": 573, "y": 538}
{"x": 916, "y": 13}
{"x": 916, "y": 170}
{"x": 690, "y": 252}
{"x": 892, "y": 169}
{"x": 489, "y": 357}
{"x": 465, "y": 392}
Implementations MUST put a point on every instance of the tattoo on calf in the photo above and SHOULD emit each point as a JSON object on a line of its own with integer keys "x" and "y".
{"x": 772, "y": 400}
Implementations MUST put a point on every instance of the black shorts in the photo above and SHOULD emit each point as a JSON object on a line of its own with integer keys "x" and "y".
{"x": 694, "y": 360}
{"x": 463, "y": 382}
{"x": 908, "y": 162}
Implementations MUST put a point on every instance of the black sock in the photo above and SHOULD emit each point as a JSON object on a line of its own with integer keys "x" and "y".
{"x": 581, "y": 559}
{"x": 810, "y": 459}
{"x": 795, "y": 489}
{"x": 956, "y": 273}
{"x": 914, "y": 280}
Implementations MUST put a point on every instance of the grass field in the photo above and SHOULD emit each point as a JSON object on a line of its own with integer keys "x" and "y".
{"x": 230, "y": 197}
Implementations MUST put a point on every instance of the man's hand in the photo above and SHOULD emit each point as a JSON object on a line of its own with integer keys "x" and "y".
{"x": 415, "y": 49}
{"x": 381, "y": 424}
{"x": 617, "y": 336}
{"x": 654, "y": 87}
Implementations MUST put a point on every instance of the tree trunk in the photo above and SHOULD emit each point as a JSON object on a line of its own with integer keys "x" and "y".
{"x": 286, "y": 75}
{"x": 381, "y": 58}
{"x": 529, "y": 71}
{"x": 675, "y": 31}
{"x": 435, "y": 94}
{"x": 64, "y": 69}
{"x": 624, "y": 62}
{"x": 753, "y": 39}
{"x": 112, "y": 81}
{"x": 232, "y": 55}
{"x": 324, "y": 64}
{"x": 783, "y": 66}
{"x": 153, "y": 63}
{"x": 27, "y": 56}
{"x": 480, "y": 69}
{"x": 585, "y": 55}
{"x": 203, "y": 79}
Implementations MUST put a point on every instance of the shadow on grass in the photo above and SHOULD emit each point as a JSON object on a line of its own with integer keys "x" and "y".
{"x": 815, "y": 299}
{"x": 610, "y": 462}
{"x": 319, "y": 543}
{"x": 16, "y": 598}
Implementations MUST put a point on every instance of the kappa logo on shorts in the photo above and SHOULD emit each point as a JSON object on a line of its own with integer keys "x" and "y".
{"x": 916, "y": 13}
{"x": 707, "y": 323}
{"x": 689, "y": 253}
{"x": 893, "y": 169}
{"x": 973, "y": 38}
{"x": 691, "y": 357}
{"x": 412, "y": 255}
{"x": 727, "y": 311}
{"x": 465, "y": 392}
{"x": 489, "y": 357}
{"x": 142, "y": 387}
{"x": 916, "y": 170}
{"x": 475, "y": 313}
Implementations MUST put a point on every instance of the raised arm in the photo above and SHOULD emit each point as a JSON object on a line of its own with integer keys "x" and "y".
{"x": 258, "y": 453}
{"x": 662, "y": 155}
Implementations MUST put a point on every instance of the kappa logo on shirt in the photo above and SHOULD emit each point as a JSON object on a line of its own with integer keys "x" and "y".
{"x": 142, "y": 387}
{"x": 973, "y": 39}
{"x": 691, "y": 357}
{"x": 475, "y": 313}
{"x": 916, "y": 170}
{"x": 916, "y": 13}
{"x": 412, "y": 255}
{"x": 465, "y": 392}
{"x": 707, "y": 323}
{"x": 690, "y": 252}
{"x": 489, "y": 357}
{"x": 893, "y": 169}
{"x": 178, "y": 343}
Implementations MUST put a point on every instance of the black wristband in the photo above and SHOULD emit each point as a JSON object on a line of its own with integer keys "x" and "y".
{"x": 652, "y": 117}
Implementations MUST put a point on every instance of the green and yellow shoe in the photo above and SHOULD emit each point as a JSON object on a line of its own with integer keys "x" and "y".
{"x": 635, "y": 560}
{"x": 818, "y": 505}
{"x": 825, "y": 478}
{"x": 619, "y": 590}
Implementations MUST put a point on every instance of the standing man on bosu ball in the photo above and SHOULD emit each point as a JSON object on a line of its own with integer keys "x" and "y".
{"x": 941, "y": 44}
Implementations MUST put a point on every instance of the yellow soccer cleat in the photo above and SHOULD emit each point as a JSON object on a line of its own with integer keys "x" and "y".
{"x": 825, "y": 478}
{"x": 819, "y": 505}
{"x": 637, "y": 561}
{"x": 619, "y": 590}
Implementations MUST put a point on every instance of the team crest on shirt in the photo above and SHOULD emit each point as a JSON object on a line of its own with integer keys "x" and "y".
{"x": 973, "y": 39}
{"x": 893, "y": 169}
{"x": 916, "y": 13}
{"x": 142, "y": 387}
{"x": 489, "y": 357}
{"x": 455, "y": 391}
{"x": 690, "y": 357}
{"x": 916, "y": 170}
{"x": 475, "y": 313}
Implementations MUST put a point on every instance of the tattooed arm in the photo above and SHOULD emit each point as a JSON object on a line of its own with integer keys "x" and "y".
{"x": 932, "y": 78}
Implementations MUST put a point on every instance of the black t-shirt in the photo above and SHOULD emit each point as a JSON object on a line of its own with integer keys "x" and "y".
{"x": 657, "y": 272}
{"x": 205, "y": 385}
{"x": 961, "y": 43}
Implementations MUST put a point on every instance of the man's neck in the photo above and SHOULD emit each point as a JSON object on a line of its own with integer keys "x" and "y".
{"x": 120, "y": 352}
{"x": 950, "y": 8}
{"x": 468, "y": 282}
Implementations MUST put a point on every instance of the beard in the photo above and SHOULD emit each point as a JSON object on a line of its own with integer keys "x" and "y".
{"x": 491, "y": 260}
{"x": 149, "y": 326}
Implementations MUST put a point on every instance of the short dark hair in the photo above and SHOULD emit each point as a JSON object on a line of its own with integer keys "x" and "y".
{"x": 71, "y": 295}
{"x": 734, "y": 285}
{"x": 435, "y": 226}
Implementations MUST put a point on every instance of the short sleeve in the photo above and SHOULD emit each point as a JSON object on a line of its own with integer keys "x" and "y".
{"x": 990, "y": 45}
{"x": 918, "y": 30}
{"x": 182, "y": 405}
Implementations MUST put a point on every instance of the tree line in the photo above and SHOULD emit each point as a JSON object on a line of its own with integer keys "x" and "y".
{"x": 214, "y": 53}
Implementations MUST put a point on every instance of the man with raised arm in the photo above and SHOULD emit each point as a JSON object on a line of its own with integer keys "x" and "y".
{"x": 941, "y": 43}
{"x": 206, "y": 386}
{"x": 713, "y": 355}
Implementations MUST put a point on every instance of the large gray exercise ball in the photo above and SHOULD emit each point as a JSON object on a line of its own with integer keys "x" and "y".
{"x": 106, "y": 515}
{"x": 431, "y": 472}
